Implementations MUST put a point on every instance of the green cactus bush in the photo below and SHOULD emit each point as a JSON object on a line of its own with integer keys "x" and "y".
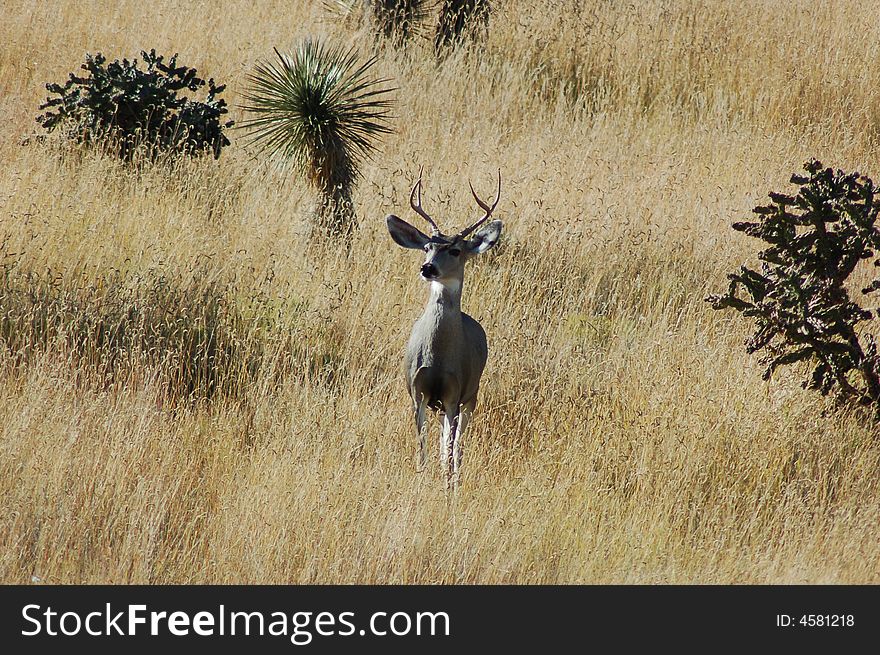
{"x": 800, "y": 300}
{"x": 131, "y": 107}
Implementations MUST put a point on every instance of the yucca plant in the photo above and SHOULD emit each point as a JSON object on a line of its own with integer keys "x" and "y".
{"x": 320, "y": 111}
{"x": 458, "y": 19}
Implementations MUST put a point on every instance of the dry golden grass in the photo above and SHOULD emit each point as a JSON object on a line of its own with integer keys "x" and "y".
{"x": 622, "y": 434}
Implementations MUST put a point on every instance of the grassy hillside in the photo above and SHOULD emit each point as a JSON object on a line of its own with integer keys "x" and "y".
{"x": 193, "y": 391}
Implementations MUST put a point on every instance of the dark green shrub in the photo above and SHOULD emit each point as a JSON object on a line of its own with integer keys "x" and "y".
{"x": 129, "y": 107}
{"x": 799, "y": 301}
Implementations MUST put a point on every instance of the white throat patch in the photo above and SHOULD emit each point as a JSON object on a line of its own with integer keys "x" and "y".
{"x": 450, "y": 286}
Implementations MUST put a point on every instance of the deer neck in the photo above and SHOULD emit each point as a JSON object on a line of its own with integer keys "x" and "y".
{"x": 445, "y": 297}
{"x": 438, "y": 334}
{"x": 441, "y": 321}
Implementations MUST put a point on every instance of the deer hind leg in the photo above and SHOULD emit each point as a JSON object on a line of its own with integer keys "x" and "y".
{"x": 464, "y": 416}
{"x": 447, "y": 439}
{"x": 444, "y": 445}
{"x": 450, "y": 403}
{"x": 422, "y": 455}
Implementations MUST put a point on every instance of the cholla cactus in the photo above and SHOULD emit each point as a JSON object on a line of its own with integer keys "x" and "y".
{"x": 131, "y": 107}
{"x": 799, "y": 300}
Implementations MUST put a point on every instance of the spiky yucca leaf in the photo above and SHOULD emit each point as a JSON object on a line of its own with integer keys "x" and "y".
{"x": 322, "y": 112}
{"x": 319, "y": 110}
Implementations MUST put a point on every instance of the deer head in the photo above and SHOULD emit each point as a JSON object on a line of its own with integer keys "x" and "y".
{"x": 445, "y": 255}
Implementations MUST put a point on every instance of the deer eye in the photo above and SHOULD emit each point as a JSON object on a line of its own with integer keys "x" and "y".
{"x": 455, "y": 252}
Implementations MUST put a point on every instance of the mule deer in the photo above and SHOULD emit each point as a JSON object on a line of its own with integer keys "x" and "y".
{"x": 447, "y": 350}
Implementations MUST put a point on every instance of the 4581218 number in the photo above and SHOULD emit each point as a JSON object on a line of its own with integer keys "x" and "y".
{"x": 815, "y": 620}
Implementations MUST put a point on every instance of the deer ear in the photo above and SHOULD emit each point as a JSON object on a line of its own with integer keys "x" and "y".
{"x": 405, "y": 234}
{"x": 484, "y": 238}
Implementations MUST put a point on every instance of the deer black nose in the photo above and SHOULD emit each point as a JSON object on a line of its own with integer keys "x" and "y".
{"x": 429, "y": 271}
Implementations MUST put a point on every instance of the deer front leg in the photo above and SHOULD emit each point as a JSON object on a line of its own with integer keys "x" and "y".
{"x": 447, "y": 441}
{"x": 422, "y": 455}
{"x": 464, "y": 416}
{"x": 444, "y": 445}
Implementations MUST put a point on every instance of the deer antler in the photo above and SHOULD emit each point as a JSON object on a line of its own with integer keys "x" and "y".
{"x": 486, "y": 208}
{"x": 417, "y": 204}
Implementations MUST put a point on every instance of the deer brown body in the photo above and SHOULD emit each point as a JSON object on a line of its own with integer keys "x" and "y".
{"x": 447, "y": 350}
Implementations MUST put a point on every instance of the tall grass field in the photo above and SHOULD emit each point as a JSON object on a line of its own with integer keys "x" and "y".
{"x": 194, "y": 388}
